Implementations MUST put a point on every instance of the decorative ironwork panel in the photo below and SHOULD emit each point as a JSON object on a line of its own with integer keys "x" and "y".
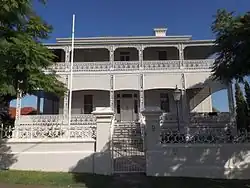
{"x": 203, "y": 135}
{"x": 161, "y": 65}
{"x": 142, "y": 96}
{"x": 40, "y": 131}
{"x": 92, "y": 66}
{"x": 112, "y": 93}
{"x": 41, "y": 119}
{"x": 60, "y": 67}
{"x": 127, "y": 148}
{"x": 126, "y": 65}
{"x": 83, "y": 126}
{"x": 198, "y": 64}
{"x": 83, "y": 119}
{"x": 83, "y": 132}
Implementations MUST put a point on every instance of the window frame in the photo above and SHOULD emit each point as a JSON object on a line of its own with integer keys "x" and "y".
{"x": 124, "y": 56}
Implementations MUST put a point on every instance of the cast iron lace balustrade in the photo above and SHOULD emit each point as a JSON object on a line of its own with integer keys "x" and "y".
{"x": 161, "y": 65}
{"x": 105, "y": 66}
{"x": 203, "y": 135}
{"x": 83, "y": 126}
{"x": 126, "y": 65}
{"x": 198, "y": 64}
{"x": 61, "y": 67}
{"x": 91, "y": 66}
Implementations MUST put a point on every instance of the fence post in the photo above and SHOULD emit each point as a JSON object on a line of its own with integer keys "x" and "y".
{"x": 102, "y": 158}
{"x": 152, "y": 128}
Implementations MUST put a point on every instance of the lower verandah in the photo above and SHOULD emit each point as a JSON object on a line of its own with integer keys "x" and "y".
{"x": 128, "y": 103}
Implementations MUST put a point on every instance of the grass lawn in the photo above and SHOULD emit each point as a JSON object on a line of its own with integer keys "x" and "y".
{"x": 67, "y": 180}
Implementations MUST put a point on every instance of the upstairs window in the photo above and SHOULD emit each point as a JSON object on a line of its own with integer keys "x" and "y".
{"x": 164, "y": 102}
{"x": 124, "y": 56}
{"x": 162, "y": 55}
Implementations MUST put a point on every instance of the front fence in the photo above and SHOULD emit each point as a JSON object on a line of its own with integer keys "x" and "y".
{"x": 51, "y": 126}
{"x": 203, "y": 135}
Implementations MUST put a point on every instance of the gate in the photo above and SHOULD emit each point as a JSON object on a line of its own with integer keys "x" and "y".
{"x": 128, "y": 148}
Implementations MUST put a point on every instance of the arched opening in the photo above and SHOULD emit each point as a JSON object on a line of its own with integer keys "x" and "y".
{"x": 86, "y": 101}
{"x": 59, "y": 55}
{"x": 126, "y": 54}
{"x": 160, "y": 53}
{"x": 198, "y": 52}
{"x": 91, "y": 55}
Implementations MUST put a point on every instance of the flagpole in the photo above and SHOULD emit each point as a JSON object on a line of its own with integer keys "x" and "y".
{"x": 71, "y": 67}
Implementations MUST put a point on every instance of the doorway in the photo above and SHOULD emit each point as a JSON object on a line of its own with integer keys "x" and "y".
{"x": 127, "y": 106}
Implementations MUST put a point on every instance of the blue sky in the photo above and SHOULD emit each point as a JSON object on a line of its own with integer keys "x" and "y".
{"x": 136, "y": 17}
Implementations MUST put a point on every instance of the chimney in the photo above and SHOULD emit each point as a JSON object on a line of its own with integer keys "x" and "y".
{"x": 160, "y": 32}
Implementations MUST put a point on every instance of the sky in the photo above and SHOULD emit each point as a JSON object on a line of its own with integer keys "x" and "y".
{"x": 138, "y": 18}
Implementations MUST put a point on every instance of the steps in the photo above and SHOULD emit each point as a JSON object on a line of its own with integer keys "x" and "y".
{"x": 127, "y": 147}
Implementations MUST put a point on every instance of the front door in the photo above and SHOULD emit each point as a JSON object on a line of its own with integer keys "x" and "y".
{"x": 127, "y": 108}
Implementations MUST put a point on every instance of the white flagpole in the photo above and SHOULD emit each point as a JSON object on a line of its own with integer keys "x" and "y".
{"x": 71, "y": 67}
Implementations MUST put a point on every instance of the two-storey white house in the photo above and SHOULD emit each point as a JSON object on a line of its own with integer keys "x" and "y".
{"x": 129, "y": 74}
{"x": 107, "y": 125}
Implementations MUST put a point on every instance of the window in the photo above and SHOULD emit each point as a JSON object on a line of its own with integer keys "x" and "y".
{"x": 164, "y": 102}
{"x": 162, "y": 55}
{"x": 124, "y": 56}
{"x": 88, "y": 104}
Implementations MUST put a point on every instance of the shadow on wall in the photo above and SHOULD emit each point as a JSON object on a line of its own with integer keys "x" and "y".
{"x": 222, "y": 161}
{"x": 89, "y": 170}
{"x": 178, "y": 166}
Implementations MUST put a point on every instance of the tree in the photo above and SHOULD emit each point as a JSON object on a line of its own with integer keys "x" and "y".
{"x": 23, "y": 57}
{"x": 232, "y": 45}
{"x": 241, "y": 108}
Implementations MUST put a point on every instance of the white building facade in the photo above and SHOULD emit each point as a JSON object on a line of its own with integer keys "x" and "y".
{"x": 137, "y": 103}
{"x": 131, "y": 73}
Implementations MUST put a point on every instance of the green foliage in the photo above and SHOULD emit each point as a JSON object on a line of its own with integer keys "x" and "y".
{"x": 232, "y": 45}
{"x": 23, "y": 58}
{"x": 241, "y": 108}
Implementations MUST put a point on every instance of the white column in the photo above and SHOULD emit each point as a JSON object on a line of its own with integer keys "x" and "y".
{"x": 112, "y": 93}
{"x": 142, "y": 97}
{"x": 141, "y": 80}
{"x": 184, "y": 102}
{"x": 66, "y": 96}
{"x": 181, "y": 55}
{"x": 18, "y": 107}
{"x": 38, "y": 102}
